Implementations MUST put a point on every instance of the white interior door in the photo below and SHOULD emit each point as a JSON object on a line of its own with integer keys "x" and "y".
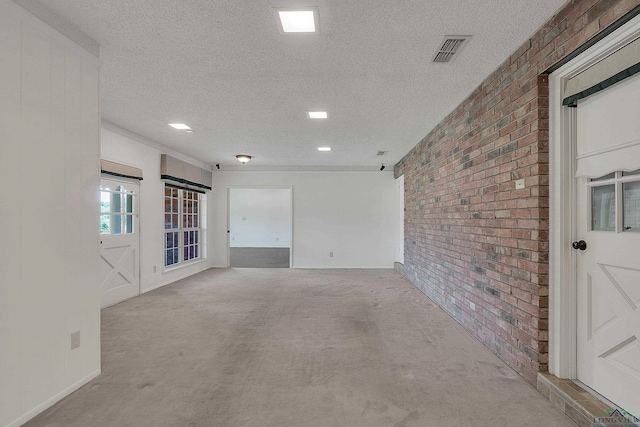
{"x": 119, "y": 241}
{"x": 608, "y": 245}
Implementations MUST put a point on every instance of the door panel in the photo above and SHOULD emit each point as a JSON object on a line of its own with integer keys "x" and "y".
{"x": 608, "y": 220}
{"x": 608, "y": 278}
{"x": 119, "y": 242}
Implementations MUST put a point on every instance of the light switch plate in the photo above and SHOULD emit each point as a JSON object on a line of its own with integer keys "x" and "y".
{"x": 75, "y": 339}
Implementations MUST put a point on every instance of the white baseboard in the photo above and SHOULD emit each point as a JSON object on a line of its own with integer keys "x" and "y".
{"x": 54, "y": 399}
{"x": 187, "y": 273}
{"x": 159, "y": 285}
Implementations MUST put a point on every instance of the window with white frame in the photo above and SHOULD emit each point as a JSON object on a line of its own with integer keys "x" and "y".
{"x": 182, "y": 229}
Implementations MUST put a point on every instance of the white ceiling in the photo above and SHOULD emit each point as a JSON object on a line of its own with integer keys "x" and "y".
{"x": 223, "y": 68}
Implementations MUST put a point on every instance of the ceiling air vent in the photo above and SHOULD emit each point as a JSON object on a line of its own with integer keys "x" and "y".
{"x": 381, "y": 153}
{"x": 450, "y": 48}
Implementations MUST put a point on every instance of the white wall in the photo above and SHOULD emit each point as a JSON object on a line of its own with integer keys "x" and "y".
{"x": 352, "y": 214}
{"x": 121, "y": 146}
{"x": 260, "y": 217}
{"x": 49, "y": 166}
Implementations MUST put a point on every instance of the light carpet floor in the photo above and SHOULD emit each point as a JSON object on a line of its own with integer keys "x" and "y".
{"x": 294, "y": 347}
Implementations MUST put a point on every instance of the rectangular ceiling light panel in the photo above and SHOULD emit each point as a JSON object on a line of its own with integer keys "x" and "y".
{"x": 324, "y": 148}
{"x": 301, "y": 20}
{"x": 179, "y": 126}
{"x": 317, "y": 114}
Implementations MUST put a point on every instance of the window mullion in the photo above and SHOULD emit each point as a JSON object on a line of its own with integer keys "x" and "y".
{"x": 180, "y": 225}
{"x": 619, "y": 212}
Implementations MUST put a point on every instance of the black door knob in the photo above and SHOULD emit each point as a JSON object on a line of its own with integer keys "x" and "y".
{"x": 582, "y": 245}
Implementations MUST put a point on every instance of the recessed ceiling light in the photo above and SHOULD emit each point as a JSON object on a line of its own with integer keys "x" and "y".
{"x": 189, "y": 131}
{"x": 324, "y": 148}
{"x": 179, "y": 126}
{"x": 317, "y": 114}
{"x": 302, "y": 20}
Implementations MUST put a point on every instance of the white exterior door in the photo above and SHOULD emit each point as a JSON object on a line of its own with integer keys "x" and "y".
{"x": 608, "y": 222}
{"x": 119, "y": 242}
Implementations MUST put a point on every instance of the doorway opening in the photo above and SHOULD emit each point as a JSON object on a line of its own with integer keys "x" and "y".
{"x": 260, "y": 227}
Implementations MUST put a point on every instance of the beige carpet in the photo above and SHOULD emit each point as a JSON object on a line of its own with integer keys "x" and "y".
{"x": 291, "y": 347}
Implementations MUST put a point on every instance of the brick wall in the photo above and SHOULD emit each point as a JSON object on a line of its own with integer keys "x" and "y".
{"x": 474, "y": 243}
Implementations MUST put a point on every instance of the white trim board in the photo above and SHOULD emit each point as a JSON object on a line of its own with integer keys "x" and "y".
{"x": 562, "y": 153}
{"x": 189, "y": 273}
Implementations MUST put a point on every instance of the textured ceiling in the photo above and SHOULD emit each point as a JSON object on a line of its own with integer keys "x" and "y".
{"x": 223, "y": 68}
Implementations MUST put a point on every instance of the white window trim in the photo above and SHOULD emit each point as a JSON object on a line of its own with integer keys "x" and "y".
{"x": 562, "y": 150}
{"x": 201, "y": 234}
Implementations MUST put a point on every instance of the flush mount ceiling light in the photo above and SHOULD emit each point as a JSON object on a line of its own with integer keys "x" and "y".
{"x": 179, "y": 126}
{"x": 299, "y": 20}
{"x": 317, "y": 114}
{"x": 324, "y": 148}
{"x": 243, "y": 158}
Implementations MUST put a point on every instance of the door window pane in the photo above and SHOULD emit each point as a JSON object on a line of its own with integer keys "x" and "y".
{"x": 115, "y": 202}
{"x": 105, "y": 224}
{"x": 631, "y": 204}
{"x": 116, "y": 224}
{"x": 105, "y": 204}
{"x": 603, "y": 208}
{"x": 129, "y": 224}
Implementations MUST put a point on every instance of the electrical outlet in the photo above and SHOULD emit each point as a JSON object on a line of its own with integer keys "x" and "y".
{"x": 75, "y": 339}
{"x": 330, "y": 254}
